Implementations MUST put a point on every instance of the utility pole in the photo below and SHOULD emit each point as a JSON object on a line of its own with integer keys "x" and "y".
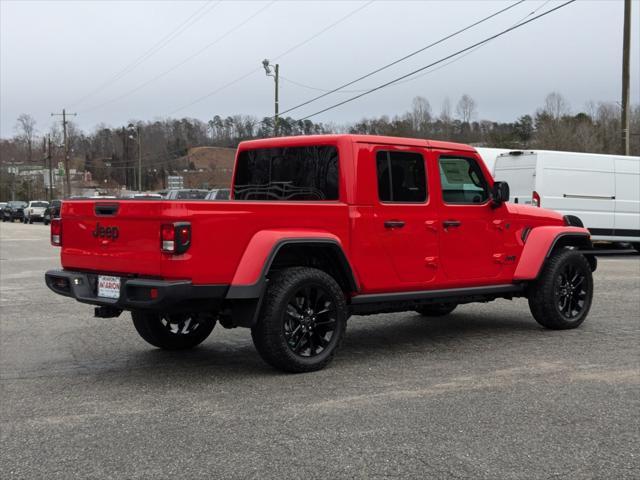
{"x": 626, "y": 54}
{"x": 49, "y": 164}
{"x": 139, "y": 159}
{"x": 276, "y": 77}
{"x": 67, "y": 185}
{"x": 125, "y": 157}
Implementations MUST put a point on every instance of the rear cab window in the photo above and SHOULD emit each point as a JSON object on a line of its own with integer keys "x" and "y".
{"x": 401, "y": 177}
{"x": 462, "y": 181}
{"x": 307, "y": 173}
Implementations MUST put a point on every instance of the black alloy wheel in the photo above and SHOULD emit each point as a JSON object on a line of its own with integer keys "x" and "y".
{"x": 176, "y": 331}
{"x": 570, "y": 291}
{"x": 309, "y": 321}
{"x": 561, "y": 296}
{"x": 302, "y": 320}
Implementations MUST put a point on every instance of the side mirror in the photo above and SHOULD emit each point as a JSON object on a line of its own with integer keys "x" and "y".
{"x": 500, "y": 193}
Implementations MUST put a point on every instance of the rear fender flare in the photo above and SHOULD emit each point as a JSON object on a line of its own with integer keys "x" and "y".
{"x": 250, "y": 279}
{"x": 541, "y": 243}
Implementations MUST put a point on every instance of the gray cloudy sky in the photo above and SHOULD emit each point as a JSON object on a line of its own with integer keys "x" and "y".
{"x": 71, "y": 54}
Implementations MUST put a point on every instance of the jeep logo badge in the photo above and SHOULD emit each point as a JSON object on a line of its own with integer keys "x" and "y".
{"x": 106, "y": 232}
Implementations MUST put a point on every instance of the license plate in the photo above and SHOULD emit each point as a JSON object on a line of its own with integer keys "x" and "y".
{"x": 108, "y": 287}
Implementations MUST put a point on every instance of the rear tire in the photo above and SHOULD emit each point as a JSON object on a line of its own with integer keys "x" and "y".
{"x": 436, "y": 309}
{"x": 302, "y": 321}
{"x": 174, "y": 331}
{"x": 561, "y": 296}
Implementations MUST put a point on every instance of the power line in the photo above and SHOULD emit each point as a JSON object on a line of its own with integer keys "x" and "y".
{"x": 488, "y": 39}
{"x": 309, "y": 87}
{"x": 286, "y": 52}
{"x": 193, "y": 18}
{"x": 395, "y": 62}
{"x": 190, "y": 57}
{"x": 533, "y": 12}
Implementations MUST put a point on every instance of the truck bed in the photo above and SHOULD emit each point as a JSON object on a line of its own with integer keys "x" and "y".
{"x": 220, "y": 234}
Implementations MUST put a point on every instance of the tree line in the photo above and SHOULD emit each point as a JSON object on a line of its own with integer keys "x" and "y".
{"x": 111, "y": 154}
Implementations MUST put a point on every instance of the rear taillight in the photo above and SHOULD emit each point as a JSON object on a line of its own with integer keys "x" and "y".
{"x": 56, "y": 232}
{"x": 175, "y": 238}
{"x": 535, "y": 199}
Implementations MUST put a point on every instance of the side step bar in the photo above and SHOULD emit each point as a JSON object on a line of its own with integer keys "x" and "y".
{"x": 434, "y": 295}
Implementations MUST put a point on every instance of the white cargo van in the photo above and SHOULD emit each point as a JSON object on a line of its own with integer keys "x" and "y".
{"x": 602, "y": 190}
{"x": 489, "y": 155}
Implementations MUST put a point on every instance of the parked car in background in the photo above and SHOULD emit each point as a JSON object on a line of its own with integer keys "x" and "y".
{"x": 13, "y": 211}
{"x": 52, "y": 211}
{"x": 218, "y": 194}
{"x": 147, "y": 195}
{"x": 602, "y": 190}
{"x": 35, "y": 211}
{"x": 186, "y": 194}
{"x": 2, "y": 205}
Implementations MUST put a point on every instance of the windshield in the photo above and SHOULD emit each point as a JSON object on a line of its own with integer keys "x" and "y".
{"x": 287, "y": 173}
{"x": 39, "y": 204}
{"x": 18, "y": 204}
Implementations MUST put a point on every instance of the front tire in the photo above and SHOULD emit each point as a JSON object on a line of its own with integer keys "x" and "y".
{"x": 436, "y": 309}
{"x": 561, "y": 296}
{"x": 302, "y": 321}
{"x": 173, "y": 331}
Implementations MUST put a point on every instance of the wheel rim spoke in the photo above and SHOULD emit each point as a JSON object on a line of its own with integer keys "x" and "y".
{"x": 309, "y": 320}
{"x": 570, "y": 291}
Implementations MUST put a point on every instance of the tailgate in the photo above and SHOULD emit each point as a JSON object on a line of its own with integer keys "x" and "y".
{"x": 112, "y": 236}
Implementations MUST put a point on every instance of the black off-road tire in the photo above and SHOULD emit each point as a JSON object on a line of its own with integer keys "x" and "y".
{"x": 436, "y": 309}
{"x": 153, "y": 329}
{"x": 546, "y": 293}
{"x": 269, "y": 335}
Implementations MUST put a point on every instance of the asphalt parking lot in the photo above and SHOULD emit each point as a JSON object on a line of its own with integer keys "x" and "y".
{"x": 484, "y": 393}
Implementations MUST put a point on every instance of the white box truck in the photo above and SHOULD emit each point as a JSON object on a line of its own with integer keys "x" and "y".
{"x": 602, "y": 190}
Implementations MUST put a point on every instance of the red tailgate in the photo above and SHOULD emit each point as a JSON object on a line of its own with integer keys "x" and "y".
{"x": 112, "y": 236}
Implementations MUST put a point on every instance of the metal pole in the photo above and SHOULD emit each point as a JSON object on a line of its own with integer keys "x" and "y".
{"x": 67, "y": 186}
{"x": 67, "y": 177}
{"x": 277, "y": 79}
{"x": 626, "y": 50}
{"x": 50, "y": 167}
{"x": 139, "y": 160}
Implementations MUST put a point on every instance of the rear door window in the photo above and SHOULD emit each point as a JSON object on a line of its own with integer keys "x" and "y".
{"x": 462, "y": 181}
{"x": 401, "y": 177}
{"x": 287, "y": 173}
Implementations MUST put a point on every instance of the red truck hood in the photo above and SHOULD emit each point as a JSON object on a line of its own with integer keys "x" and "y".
{"x": 540, "y": 216}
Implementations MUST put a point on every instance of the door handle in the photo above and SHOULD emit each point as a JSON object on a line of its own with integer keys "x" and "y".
{"x": 394, "y": 224}
{"x": 451, "y": 223}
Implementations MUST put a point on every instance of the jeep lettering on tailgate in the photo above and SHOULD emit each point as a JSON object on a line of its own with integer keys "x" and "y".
{"x": 106, "y": 232}
{"x": 320, "y": 228}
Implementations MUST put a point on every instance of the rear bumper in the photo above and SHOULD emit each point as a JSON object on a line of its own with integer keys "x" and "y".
{"x": 136, "y": 293}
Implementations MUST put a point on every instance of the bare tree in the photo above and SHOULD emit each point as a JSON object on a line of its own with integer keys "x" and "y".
{"x": 466, "y": 108}
{"x": 445, "y": 111}
{"x": 420, "y": 114}
{"x": 26, "y": 128}
{"x": 556, "y": 106}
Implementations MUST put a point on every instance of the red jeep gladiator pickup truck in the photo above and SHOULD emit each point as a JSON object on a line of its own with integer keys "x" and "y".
{"x": 319, "y": 228}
